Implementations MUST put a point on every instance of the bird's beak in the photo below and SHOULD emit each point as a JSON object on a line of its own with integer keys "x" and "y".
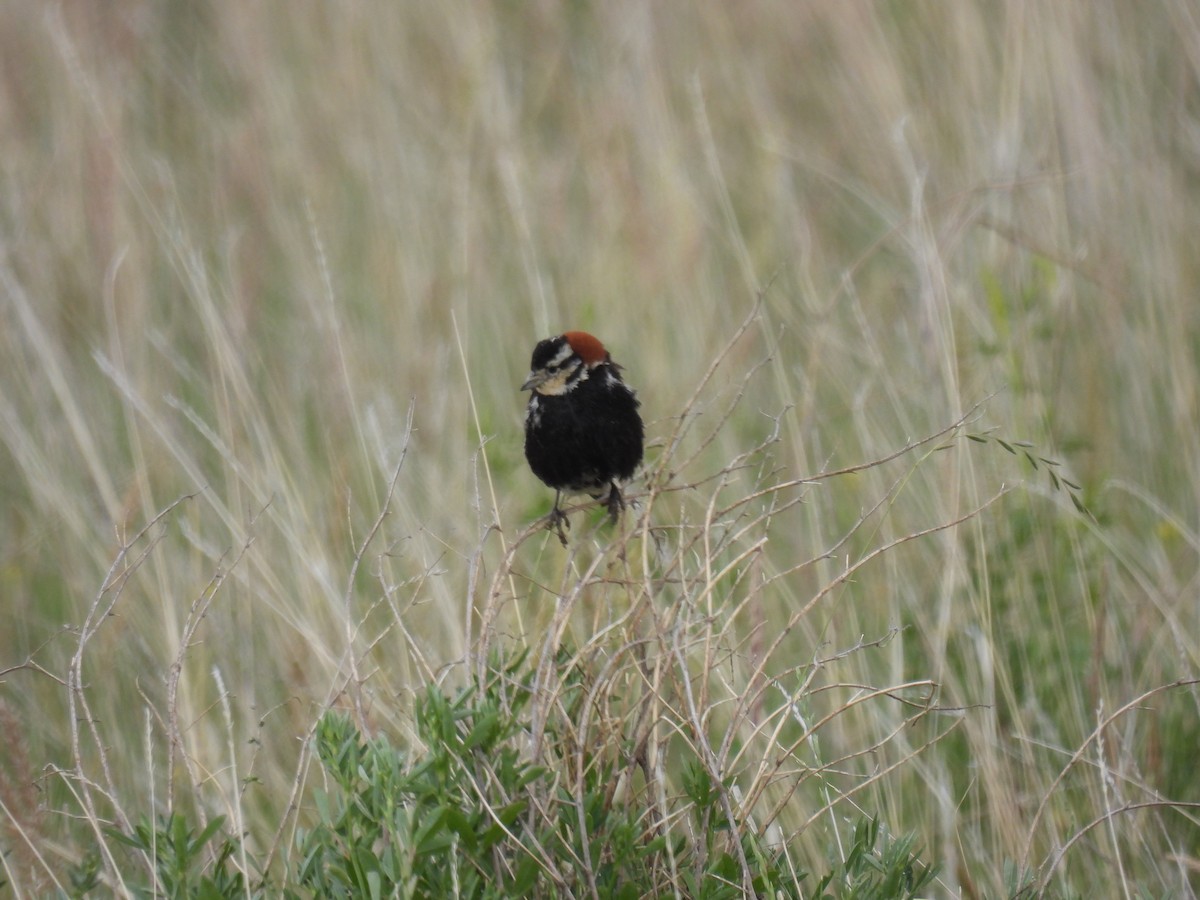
{"x": 535, "y": 379}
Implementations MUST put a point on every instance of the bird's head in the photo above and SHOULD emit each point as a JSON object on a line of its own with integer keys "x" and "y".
{"x": 560, "y": 363}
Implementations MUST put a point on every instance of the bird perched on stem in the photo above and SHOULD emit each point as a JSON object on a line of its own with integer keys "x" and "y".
{"x": 582, "y": 428}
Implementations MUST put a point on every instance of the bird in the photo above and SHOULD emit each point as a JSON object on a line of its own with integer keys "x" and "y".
{"x": 583, "y": 432}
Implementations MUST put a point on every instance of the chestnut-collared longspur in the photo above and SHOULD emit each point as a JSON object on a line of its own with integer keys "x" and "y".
{"x": 582, "y": 428}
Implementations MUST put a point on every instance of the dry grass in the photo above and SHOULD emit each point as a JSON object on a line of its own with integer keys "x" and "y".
{"x": 288, "y": 264}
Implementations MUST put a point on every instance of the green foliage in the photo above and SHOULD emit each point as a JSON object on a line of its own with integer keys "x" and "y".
{"x": 1018, "y": 884}
{"x": 877, "y": 867}
{"x": 184, "y": 863}
{"x": 84, "y": 876}
{"x": 417, "y": 824}
{"x": 468, "y": 814}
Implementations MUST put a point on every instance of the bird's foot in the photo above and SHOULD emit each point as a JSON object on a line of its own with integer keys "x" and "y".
{"x": 615, "y": 503}
{"x": 558, "y": 522}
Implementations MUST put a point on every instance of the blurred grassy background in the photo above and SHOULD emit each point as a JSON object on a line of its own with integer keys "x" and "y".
{"x": 237, "y": 240}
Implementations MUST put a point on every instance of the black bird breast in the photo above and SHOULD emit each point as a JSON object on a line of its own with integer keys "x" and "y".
{"x": 584, "y": 439}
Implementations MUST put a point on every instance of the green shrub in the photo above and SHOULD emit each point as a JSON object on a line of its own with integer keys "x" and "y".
{"x": 468, "y": 813}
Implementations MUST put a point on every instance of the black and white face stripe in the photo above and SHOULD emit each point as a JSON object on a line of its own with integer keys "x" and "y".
{"x": 559, "y": 380}
{"x": 561, "y": 372}
{"x": 564, "y": 353}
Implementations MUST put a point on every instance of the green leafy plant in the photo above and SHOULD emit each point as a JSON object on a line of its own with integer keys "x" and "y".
{"x": 466, "y": 812}
{"x": 877, "y": 867}
{"x": 186, "y": 862}
{"x": 420, "y": 822}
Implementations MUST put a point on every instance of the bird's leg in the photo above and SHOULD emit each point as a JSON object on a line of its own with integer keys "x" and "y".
{"x": 557, "y": 519}
{"x": 614, "y": 502}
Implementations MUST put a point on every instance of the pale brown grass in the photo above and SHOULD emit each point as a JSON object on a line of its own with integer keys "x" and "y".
{"x": 256, "y": 254}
